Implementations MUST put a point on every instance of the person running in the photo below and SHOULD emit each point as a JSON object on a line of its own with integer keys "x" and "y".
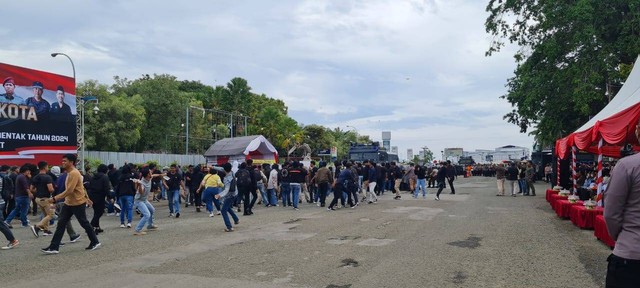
{"x": 4, "y": 228}
{"x": 227, "y": 196}
{"x": 210, "y": 186}
{"x": 396, "y": 174}
{"x": 451, "y": 175}
{"x": 99, "y": 188}
{"x": 141, "y": 202}
{"x": 42, "y": 184}
{"x": 441, "y": 178}
{"x": 75, "y": 201}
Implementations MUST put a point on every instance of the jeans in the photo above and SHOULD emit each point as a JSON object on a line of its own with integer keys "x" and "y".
{"x": 622, "y": 273}
{"x": 323, "y": 188}
{"x": 174, "y": 201}
{"x": 4, "y": 228}
{"x": 208, "y": 196}
{"x": 371, "y": 195}
{"x": 440, "y": 187}
{"x": 111, "y": 196}
{"x": 273, "y": 198}
{"x": 147, "y": 211}
{"x": 450, "y": 180}
{"x": 22, "y": 207}
{"x": 263, "y": 194}
{"x": 285, "y": 191}
{"x": 295, "y": 191}
{"x": 337, "y": 192}
{"x": 98, "y": 210}
{"x": 126, "y": 206}
{"x": 227, "y": 209}
{"x": 422, "y": 184}
{"x": 65, "y": 216}
{"x": 522, "y": 184}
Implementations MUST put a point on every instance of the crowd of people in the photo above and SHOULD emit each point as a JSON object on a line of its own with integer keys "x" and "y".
{"x": 59, "y": 193}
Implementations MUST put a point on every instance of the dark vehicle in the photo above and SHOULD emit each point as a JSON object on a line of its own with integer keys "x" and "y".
{"x": 373, "y": 151}
{"x": 466, "y": 160}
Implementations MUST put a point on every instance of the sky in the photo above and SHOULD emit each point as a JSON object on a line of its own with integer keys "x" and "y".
{"x": 416, "y": 68}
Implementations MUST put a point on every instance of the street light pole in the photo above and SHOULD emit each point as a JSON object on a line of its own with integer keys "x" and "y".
{"x": 79, "y": 120}
{"x": 186, "y": 149}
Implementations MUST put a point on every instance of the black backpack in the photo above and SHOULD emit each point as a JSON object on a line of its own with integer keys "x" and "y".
{"x": 243, "y": 178}
{"x": 6, "y": 187}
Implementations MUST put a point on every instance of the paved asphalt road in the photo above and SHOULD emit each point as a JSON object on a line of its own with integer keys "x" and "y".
{"x": 472, "y": 239}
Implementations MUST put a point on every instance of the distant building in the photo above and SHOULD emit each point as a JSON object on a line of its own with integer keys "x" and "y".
{"x": 410, "y": 154}
{"x": 500, "y": 154}
{"x": 452, "y": 154}
{"x": 386, "y": 140}
{"x": 394, "y": 150}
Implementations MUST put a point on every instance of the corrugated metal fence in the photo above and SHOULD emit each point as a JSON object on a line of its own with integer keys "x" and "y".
{"x": 119, "y": 158}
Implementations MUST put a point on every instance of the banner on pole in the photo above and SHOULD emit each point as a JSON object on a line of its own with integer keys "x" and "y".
{"x": 37, "y": 116}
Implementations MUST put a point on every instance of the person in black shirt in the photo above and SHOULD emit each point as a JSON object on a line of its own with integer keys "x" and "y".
{"x": 441, "y": 178}
{"x": 174, "y": 183}
{"x": 451, "y": 175}
{"x": 126, "y": 191}
{"x": 99, "y": 187}
{"x": 43, "y": 185}
{"x": 297, "y": 176}
{"x": 512, "y": 178}
{"x": 196, "y": 178}
{"x": 187, "y": 183}
{"x": 421, "y": 184}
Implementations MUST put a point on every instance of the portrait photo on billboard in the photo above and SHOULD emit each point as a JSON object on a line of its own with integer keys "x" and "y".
{"x": 37, "y": 115}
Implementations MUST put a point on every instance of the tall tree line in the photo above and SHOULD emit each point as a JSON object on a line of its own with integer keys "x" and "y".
{"x": 573, "y": 57}
{"x": 149, "y": 115}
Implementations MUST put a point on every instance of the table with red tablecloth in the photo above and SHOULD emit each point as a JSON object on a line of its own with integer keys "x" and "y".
{"x": 583, "y": 217}
{"x": 549, "y": 193}
{"x": 563, "y": 207}
{"x": 554, "y": 198}
{"x": 601, "y": 232}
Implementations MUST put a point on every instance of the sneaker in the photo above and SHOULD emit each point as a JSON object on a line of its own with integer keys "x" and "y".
{"x": 93, "y": 246}
{"x": 139, "y": 233}
{"x": 111, "y": 214}
{"x": 8, "y": 225}
{"x": 11, "y": 245}
{"x": 218, "y": 213}
{"x": 152, "y": 228}
{"x": 117, "y": 214}
{"x": 370, "y": 202}
{"x": 171, "y": 215}
{"x": 122, "y": 225}
{"x": 128, "y": 225}
{"x": 296, "y": 209}
{"x": 75, "y": 239}
{"x": 49, "y": 251}
{"x": 178, "y": 215}
{"x": 318, "y": 204}
{"x": 47, "y": 233}
{"x": 197, "y": 209}
{"x": 331, "y": 209}
{"x": 437, "y": 198}
{"x": 35, "y": 231}
{"x": 211, "y": 214}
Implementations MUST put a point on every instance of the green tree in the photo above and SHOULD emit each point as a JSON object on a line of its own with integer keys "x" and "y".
{"x": 571, "y": 53}
{"x": 118, "y": 124}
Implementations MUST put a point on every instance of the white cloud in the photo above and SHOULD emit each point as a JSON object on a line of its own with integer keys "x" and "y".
{"x": 415, "y": 67}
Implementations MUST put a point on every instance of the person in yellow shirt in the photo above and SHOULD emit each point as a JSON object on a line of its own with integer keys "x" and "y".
{"x": 211, "y": 185}
{"x": 75, "y": 202}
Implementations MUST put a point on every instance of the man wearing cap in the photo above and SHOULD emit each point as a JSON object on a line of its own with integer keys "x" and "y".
{"x": 42, "y": 106}
{"x": 60, "y": 109}
{"x": 9, "y": 95}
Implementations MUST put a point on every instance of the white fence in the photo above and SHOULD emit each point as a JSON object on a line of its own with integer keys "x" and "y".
{"x": 119, "y": 158}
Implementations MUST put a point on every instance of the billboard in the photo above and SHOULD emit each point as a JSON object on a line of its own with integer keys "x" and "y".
{"x": 37, "y": 116}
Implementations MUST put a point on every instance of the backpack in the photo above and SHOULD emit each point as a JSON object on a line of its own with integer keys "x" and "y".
{"x": 243, "y": 178}
{"x": 6, "y": 187}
